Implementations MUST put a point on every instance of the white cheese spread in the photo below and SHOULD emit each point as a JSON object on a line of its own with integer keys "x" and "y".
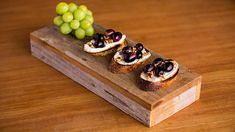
{"x": 91, "y": 49}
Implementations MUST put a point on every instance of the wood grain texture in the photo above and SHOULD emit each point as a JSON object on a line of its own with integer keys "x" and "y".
{"x": 198, "y": 33}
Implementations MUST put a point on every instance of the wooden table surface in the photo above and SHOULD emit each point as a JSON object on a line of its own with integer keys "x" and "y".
{"x": 197, "y": 33}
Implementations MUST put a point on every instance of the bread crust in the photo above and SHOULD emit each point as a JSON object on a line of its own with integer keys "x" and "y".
{"x": 112, "y": 50}
{"x": 153, "y": 86}
{"x": 117, "y": 68}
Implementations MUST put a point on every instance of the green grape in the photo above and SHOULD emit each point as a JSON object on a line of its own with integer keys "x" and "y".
{"x": 72, "y": 7}
{"x": 89, "y": 18}
{"x": 80, "y": 33}
{"x": 74, "y": 24}
{"x": 85, "y": 24}
{"x": 67, "y": 17}
{"x": 89, "y": 13}
{"x": 89, "y": 31}
{"x": 58, "y": 20}
{"x": 79, "y": 14}
{"x": 65, "y": 28}
{"x": 61, "y": 8}
{"x": 83, "y": 8}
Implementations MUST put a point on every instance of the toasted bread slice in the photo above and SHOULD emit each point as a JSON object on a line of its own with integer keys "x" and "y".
{"x": 160, "y": 73}
{"x": 153, "y": 86}
{"x": 119, "y": 65}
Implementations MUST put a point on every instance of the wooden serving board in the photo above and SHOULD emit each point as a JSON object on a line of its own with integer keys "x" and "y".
{"x": 65, "y": 53}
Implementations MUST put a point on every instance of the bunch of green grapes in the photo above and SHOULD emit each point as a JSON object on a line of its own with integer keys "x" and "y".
{"x": 74, "y": 19}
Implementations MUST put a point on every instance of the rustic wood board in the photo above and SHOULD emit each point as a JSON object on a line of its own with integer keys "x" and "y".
{"x": 66, "y": 54}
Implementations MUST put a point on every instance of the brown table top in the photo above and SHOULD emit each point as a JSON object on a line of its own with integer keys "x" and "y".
{"x": 198, "y": 34}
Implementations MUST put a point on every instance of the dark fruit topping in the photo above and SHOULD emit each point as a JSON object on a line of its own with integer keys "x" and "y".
{"x": 99, "y": 44}
{"x": 159, "y": 71}
{"x": 148, "y": 68}
{"x": 129, "y": 57}
{"x": 168, "y": 66}
{"x": 157, "y": 62}
{"x": 116, "y": 36}
{"x": 139, "y": 54}
{"x": 127, "y": 50}
{"x": 159, "y": 66}
{"x": 109, "y": 32}
{"x": 139, "y": 46}
{"x": 99, "y": 37}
